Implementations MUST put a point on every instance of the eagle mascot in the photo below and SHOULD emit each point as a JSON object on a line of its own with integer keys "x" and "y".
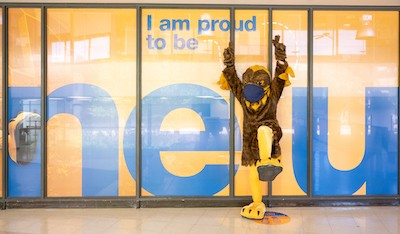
{"x": 258, "y": 95}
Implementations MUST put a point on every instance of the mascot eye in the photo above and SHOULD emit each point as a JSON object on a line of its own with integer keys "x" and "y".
{"x": 261, "y": 82}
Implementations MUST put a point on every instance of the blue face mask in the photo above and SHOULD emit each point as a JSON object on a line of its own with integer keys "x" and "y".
{"x": 253, "y": 93}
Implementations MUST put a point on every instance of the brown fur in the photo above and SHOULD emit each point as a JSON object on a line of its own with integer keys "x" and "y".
{"x": 264, "y": 115}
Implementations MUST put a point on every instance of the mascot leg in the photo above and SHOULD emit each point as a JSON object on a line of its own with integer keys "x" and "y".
{"x": 257, "y": 208}
{"x": 268, "y": 168}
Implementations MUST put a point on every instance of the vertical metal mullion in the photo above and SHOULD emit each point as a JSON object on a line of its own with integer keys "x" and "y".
{"x": 44, "y": 102}
{"x": 138, "y": 104}
{"x": 310, "y": 103}
{"x": 5, "y": 100}
{"x": 270, "y": 35}
{"x": 232, "y": 117}
{"x": 398, "y": 110}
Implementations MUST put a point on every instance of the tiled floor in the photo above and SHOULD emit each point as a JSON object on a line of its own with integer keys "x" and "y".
{"x": 379, "y": 220}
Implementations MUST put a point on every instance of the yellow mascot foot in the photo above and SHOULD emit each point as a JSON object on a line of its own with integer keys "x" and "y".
{"x": 269, "y": 169}
{"x": 254, "y": 211}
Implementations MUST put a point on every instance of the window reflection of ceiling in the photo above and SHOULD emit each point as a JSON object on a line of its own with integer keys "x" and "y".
{"x": 66, "y": 21}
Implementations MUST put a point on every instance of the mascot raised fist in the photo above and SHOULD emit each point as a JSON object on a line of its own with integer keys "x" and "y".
{"x": 258, "y": 95}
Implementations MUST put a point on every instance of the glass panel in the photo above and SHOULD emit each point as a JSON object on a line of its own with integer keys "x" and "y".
{"x": 1, "y": 110}
{"x": 91, "y": 100}
{"x": 292, "y": 108}
{"x": 251, "y": 48}
{"x": 356, "y": 57}
{"x": 185, "y": 115}
{"x": 24, "y": 82}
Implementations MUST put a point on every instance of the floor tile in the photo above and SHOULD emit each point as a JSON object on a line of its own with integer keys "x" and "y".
{"x": 238, "y": 222}
{"x": 369, "y": 222}
{"x": 307, "y": 220}
{"x": 232, "y": 230}
{"x": 152, "y": 226}
{"x": 314, "y": 226}
{"x": 342, "y": 221}
{"x": 202, "y": 229}
{"x": 16, "y": 225}
{"x": 339, "y": 229}
{"x": 64, "y": 229}
{"x": 368, "y": 230}
{"x": 215, "y": 221}
{"x": 177, "y": 228}
{"x": 183, "y": 218}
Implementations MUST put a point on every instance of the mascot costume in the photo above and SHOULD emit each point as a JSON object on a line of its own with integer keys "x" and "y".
{"x": 259, "y": 96}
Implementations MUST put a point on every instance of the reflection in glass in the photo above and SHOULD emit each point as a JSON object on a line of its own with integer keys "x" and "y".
{"x": 81, "y": 51}
{"x": 250, "y": 49}
{"x": 185, "y": 130}
{"x": 24, "y": 135}
{"x": 355, "y": 102}
{"x": 24, "y": 80}
{"x": 58, "y": 52}
{"x": 100, "y": 47}
{"x": 347, "y": 44}
{"x": 1, "y": 114}
{"x": 292, "y": 107}
{"x": 91, "y": 94}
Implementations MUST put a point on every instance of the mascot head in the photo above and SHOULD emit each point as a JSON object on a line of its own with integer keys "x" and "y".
{"x": 256, "y": 80}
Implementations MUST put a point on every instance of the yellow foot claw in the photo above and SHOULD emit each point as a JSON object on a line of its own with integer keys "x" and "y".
{"x": 269, "y": 169}
{"x": 254, "y": 211}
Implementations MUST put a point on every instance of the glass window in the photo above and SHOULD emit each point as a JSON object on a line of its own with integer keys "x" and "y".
{"x": 24, "y": 100}
{"x": 355, "y": 103}
{"x": 292, "y": 108}
{"x": 91, "y": 96}
{"x": 251, "y": 48}
{"x": 1, "y": 111}
{"x": 185, "y": 115}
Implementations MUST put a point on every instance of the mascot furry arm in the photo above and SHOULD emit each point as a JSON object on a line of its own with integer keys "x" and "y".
{"x": 259, "y": 96}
